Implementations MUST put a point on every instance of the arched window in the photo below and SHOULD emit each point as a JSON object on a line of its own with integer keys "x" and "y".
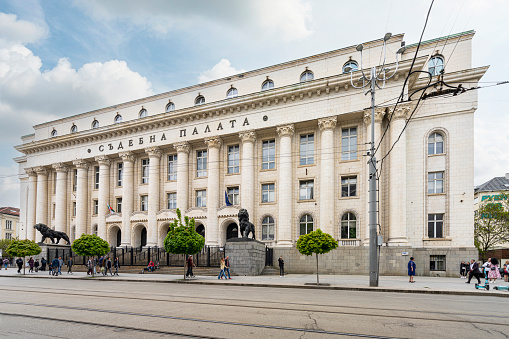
{"x": 118, "y": 119}
{"x": 143, "y": 113}
{"x": 435, "y": 65}
{"x": 54, "y": 133}
{"x": 268, "y": 228}
{"x": 348, "y": 226}
{"x": 267, "y": 84}
{"x": 232, "y": 93}
{"x": 170, "y": 107}
{"x": 435, "y": 144}
{"x": 306, "y": 76}
{"x": 74, "y": 128}
{"x": 353, "y": 66}
{"x": 200, "y": 100}
{"x": 95, "y": 124}
{"x": 306, "y": 224}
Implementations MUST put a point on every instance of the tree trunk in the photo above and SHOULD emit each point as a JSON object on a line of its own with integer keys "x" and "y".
{"x": 24, "y": 261}
{"x": 185, "y": 264}
{"x": 317, "y": 279}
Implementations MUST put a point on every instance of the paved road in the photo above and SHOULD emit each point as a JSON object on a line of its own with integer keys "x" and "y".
{"x": 71, "y": 308}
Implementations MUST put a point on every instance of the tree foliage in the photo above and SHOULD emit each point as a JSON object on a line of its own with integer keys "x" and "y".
{"x": 23, "y": 248}
{"x": 4, "y": 243}
{"x": 90, "y": 245}
{"x": 182, "y": 238}
{"x": 316, "y": 242}
{"x": 491, "y": 225}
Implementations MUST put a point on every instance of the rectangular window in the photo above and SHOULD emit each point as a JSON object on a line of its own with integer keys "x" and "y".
{"x": 55, "y": 183}
{"x": 53, "y": 210}
{"x": 349, "y": 143}
{"x": 8, "y": 224}
{"x": 435, "y": 225}
{"x": 201, "y": 198}
{"x": 306, "y": 190}
{"x": 269, "y": 154}
{"x": 437, "y": 262}
{"x": 119, "y": 205}
{"x": 144, "y": 203}
{"x": 233, "y": 159}
{"x": 348, "y": 187}
{"x": 8, "y": 236}
{"x": 201, "y": 163}
{"x": 96, "y": 207}
{"x": 172, "y": 167}
{"x": 435, "y": 182}
{"x": 75, "y": 180}
{"x": 233, "y": 195}
{"x": 268, "y": 194}
{"x": 74, "y": 208}
{"x": 120, "y": 170}
{"x": 144, "y": 170}
{"x": 172, "y": 201}
{"x": 96, "y": 177}
{"x": 307, "y": 149}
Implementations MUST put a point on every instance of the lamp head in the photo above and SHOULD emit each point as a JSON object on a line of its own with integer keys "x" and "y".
{"x": 387, "y": 69}
{"x": 359, "y": 48}
{"x": 387, "y": 36}
{"x": 348, "y": 69}
{"x": 401, "y": 50}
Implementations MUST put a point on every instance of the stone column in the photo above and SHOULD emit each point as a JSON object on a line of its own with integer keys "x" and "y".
{"x": 379, "y": 116}
{"x": 397, "y": 179}
{"x": 41, "y": 211}
{"x": 327, "y": 174}
{"x": 247, "y": 172}
{"x": 81, "y": 197}
{"x": 61, "y": 196}
{"x": 182, "y": 175}
{"x": 127, "y": 196}
{"x": 285, "y": 191}
{"x": 104, "y": 195}
{"x": 31, "y": 205}
{"x": 154, "y": 154}
{"x": 213, "y": 194}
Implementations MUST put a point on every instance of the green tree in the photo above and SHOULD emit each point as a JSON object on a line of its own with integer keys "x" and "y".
{"x": 4, "y": 243}
{"x": 23, "y": 248}
{"x": 316, "y": 242}
{"x": 183, "y": 238}
{"x": 90, "y": 245}
{"x": 491, "y": 226}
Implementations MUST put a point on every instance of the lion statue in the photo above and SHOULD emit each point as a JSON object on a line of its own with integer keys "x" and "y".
{"x": 246, "y": 227}
{"x": 49, "y": 233}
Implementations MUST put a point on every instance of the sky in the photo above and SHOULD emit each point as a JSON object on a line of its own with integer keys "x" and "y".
{"x": 64, "y": 57}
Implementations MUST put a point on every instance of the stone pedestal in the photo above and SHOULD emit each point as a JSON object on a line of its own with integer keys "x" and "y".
{"x": 49, "y": 251}
{"x": 247, "y": 256}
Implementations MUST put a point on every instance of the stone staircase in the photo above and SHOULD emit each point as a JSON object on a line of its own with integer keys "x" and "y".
{"x": 270, "y": 270}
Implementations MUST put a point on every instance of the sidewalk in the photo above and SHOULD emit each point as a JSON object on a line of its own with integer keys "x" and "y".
{"x": 399, "y": 284}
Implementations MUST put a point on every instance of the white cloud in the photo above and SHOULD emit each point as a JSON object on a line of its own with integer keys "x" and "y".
{"x": 220, "y": 70}
{"x": 9, "y": 186}
{"x": 17, "y": 31}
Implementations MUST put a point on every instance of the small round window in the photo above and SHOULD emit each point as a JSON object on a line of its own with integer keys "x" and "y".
{"x": 95, "y": 124}
{"x": 350, "y": 66}
{"x": 54, "y": 133}
{"x": 170, "y": 107}
{"x": 200, "y": 100}
{"x": 232, "y": 93}
{"x": 143, "y": 113}
{"x": 267, "y": 84}
{"x": 118, "y": 119}
{"x": 435, "y": 65}
{"x": 74, "y": 129}
{"x": 306, "y": 76}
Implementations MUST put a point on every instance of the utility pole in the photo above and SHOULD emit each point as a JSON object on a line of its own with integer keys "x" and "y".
{"x": 376, "y": 79}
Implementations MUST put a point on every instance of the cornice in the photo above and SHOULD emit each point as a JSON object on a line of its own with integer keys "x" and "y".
{"x": 457, "y": 77}
{"x": 246, "y": 103}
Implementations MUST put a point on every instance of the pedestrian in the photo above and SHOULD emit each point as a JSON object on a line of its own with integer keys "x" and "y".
{"x": 474, "y": 272}
{"x": 60, "y": 265}
{"x": 116, "y": 264}
{"x": 463, "y": 270}
{"x": 31, "y": 263}
{"x": 50, "y": 268}
{"x": 101, "y": 265}
{"x": 281, "y": 267}
{"x": 493, "y": 272}
{"x": 6, "y": 263}
{"x": 151, "y": 266}
{"x": 221, "y": 273}
{"x": 43, "y": 264}
{"x": 506, "y": 271}
{"x": 91, "y": 267}
{"x": 69, "y": 265}
{"x": 108, "y": 266}
{"x": 190, "y": 264}
{"x": 36, "y": 265}
{"x": 19, "y": 262}
{"x": 227, "y": 267}
{"x": 411, "y": 270}
{"x": 56, "y": 269}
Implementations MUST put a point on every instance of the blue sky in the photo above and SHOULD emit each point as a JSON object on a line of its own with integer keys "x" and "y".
{"x": 63, "y": 57}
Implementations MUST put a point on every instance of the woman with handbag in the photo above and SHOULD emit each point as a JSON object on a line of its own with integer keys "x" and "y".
{"x": 494, "y": 273}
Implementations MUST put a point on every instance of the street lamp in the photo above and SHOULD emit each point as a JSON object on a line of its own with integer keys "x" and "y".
{"x": 377, "y": 78}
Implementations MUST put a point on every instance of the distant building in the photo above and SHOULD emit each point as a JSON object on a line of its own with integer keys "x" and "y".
{"x": 9, "y": 219}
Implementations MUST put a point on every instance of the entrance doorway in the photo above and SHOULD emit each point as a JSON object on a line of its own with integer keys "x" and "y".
{"x": 232, "y": 231}
{"x": 144, "y": 237}
{"x": 200, "y": 229}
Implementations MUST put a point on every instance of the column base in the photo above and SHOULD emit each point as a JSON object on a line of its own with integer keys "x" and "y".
{"x": 124, "y": 244}
{"x": 398, "y": 241}
{"x": 284, "y": 243}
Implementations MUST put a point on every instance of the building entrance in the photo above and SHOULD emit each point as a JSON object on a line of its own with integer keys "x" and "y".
{"x": 232, "y": 231}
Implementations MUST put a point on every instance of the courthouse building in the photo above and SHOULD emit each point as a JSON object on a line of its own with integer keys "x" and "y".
{"x": 288, "y": 143}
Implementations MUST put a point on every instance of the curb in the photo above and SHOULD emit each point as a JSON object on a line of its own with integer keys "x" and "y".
{"x": 246, "y": 284}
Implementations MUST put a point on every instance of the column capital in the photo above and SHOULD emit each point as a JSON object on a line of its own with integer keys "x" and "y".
{"x": 402, "y": 111}
{"x": 379, "y": 115}
{"x": 328, "y": 123}
{"x": 60, "y": 167}
{"x": 285, "y": 131}
{"x": 248, "y": 136}
{"x": 213, "y": 142}
{"x": 80, "y": 163}
{"x": 30, "y": 171}
{"x": 102, "y": 160}
{"x": 182, "y": 147}
{"x": 41, "y": 170}
{"x": 153, "y": 152}
{"x": 127, "y": 156}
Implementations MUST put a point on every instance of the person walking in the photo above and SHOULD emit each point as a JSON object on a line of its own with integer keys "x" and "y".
{"x": 70, "y": 263}
{"x": 19, "y": 262}
{"x": 116, "y": 264}
{"x": 43, "y": 264}
{"x": 411, "y": 270}
{"x": 190, "y": 264}
{"x": 227, "y": 267}
{"x": 36, "y": 265}
{"x": 474, "y": 272}
{"x": 31, "y": 263}
{"x": 60, "y": 265}
{"x": 90, "y": 266}
{"x": 281, "y": 266}
{"x": 494, "y": 272}
{"x": 221, "y": 273}
{"x": 56, "y": 266}
{"x": 6, "y": 263}
{"x": 108, "y": 266}
{"x": 50, "y": 268}
{"x": 463, "y": 270}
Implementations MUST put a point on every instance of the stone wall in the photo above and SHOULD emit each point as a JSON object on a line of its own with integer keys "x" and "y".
{"x": 247, "y": 257}
{"x": 355, "y": 260}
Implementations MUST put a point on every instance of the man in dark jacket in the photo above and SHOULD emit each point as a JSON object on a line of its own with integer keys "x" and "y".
{"x": 19, "y": 262}
{"x": 55, "y": 264}
{"x": 474, "y": 272}
{"x": 108, "y": 266}
{"x": 281, "y": 266}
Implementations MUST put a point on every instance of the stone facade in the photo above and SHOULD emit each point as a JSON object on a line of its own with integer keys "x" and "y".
{"x": 9, "y": 220}
{"x": 246, "y": 257}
